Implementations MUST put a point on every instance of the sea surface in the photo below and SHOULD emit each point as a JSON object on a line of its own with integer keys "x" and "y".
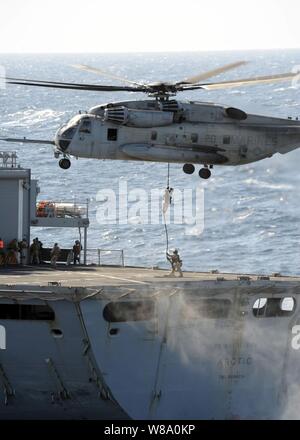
{"x": 251, "y": 213}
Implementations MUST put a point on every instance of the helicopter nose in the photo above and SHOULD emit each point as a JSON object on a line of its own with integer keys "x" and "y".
{"x": 63, "y": 138}
{"x": 62, "y": 144}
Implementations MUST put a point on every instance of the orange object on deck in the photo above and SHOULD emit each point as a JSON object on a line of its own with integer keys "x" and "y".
{"x": 45, "y": 209}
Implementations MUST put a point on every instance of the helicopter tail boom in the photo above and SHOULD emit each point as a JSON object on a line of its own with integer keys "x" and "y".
{"x": 28, "y": 141}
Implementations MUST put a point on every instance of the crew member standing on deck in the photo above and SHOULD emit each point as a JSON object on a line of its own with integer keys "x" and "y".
{"x": 13, "y": 248}
{"x": 23, "y": 246}
{"x": 34, "y": 252}
{"x": 77, "y": 248}
{"x": 55, "y": 255}
{"x": 2, "y": 253}
{"x": 39, "y": 249}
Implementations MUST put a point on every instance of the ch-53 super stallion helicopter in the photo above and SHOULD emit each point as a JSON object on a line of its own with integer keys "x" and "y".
{"x": 162, "y": 129}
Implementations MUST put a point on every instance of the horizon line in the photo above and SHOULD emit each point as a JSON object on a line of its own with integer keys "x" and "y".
{"x": 146, "y": 52}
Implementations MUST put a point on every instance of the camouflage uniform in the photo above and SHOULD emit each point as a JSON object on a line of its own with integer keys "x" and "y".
{"x": 176, "y": 263}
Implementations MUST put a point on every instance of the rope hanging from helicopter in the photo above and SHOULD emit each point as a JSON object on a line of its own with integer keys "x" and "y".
{"x": 167, "y": 200}
{"x": 168, "y": 178}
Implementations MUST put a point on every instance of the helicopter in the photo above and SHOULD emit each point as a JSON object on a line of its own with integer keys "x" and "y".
{"x": 163, "y": 129}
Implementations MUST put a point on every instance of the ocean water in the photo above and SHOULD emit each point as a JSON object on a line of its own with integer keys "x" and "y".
{"x": 252, "y": 212}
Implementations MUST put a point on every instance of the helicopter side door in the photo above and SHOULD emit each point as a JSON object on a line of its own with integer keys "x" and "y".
{"x": 85, "y": 137}
{"x": 106, "y": 140}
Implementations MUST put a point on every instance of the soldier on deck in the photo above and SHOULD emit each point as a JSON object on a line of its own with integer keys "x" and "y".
{"x": 40, "y": 249}
{"x": 176, "y": 263}
{"x": 77, "y": 248}
{"x": 2, "y": 252}
{"x": 55, "y": 253}
{"x": 23, "y": 246}
{"x": 35, "y": 252}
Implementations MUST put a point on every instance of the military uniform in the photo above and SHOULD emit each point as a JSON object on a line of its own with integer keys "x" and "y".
{"x": 176, "y": 263}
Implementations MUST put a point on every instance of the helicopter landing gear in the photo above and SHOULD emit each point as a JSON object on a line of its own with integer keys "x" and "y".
{"x": 64, "y": 163}
{"x": 205, "y": 173}
{"x": 188, "y": 168}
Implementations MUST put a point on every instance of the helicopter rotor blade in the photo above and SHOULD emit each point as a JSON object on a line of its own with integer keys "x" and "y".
{"x": 162, "y": 89}
{"x": 47, "y": 82}
{"x": 104, "y": 73}
{"x": 74, "y": 86}
{"x": 28, "y": 141}
{"x": 243, "y": 82}
{"x": 205, "y": 75}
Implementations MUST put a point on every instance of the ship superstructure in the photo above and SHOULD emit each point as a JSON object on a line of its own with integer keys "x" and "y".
{"x": 94, "y": 342}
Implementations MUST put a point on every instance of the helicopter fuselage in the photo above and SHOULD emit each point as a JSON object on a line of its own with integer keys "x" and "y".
{"x": 176, "y": 132}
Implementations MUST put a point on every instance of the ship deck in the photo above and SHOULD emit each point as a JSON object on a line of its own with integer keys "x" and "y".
{"x": 90, "y": 276}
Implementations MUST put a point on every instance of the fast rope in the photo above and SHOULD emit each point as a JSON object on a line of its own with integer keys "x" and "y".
{"x": 164, "y": 212}
{"x": 167, "y": 236}
{"x": 168, "y": 178}
{"x": 174, "y": 259}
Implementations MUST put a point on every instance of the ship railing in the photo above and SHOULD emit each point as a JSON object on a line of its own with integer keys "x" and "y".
{"x": 106, "y": 257}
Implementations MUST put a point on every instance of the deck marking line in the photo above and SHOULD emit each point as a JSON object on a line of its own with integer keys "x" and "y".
{"x": 122, "y": 279}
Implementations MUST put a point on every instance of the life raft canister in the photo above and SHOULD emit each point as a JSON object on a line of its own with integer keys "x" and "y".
{"x": 41, "y": 210}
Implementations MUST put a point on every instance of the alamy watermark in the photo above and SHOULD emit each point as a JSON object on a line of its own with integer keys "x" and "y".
{"x": 296, "y": 338}
{"x": 296, "y": 79}
{"x": 150, "y": 207}
{"x": 2, "y": 338}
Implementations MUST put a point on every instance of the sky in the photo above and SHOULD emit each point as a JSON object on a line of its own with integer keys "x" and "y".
{"x": 147, "y": 26}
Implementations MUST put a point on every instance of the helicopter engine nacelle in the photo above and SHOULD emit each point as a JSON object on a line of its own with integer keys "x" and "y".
{"x": 236, "y": 113}
{"x": 138, "y": 118}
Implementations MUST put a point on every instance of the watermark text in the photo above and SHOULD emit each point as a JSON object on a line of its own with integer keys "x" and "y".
{"x": 150, "y": 207}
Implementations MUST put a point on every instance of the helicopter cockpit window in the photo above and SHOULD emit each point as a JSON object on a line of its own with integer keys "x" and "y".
{"x": 86, "y": 126}
{"x": 69, "y": 133}
{"x": 112, "y": 134}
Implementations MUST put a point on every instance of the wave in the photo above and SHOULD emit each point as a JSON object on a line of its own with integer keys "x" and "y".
{"x": 243, "y": 216}
{"x": 32, "y": 117}
{"x": 262, "y": 184}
